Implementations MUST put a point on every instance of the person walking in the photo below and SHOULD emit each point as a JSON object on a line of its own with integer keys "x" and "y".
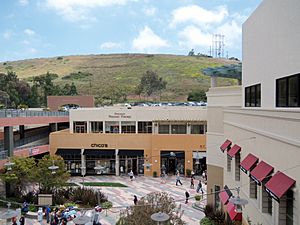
{"x": 192, "y": 183}
{"x": 135, "y": 200}
{"x": 193, "y": 174}
{"x": 178, "y": 179}
{"x": 96, "y": 219}
{"x": 199, "y": 187}
{"x": 47, "y": 213}
{"x": 187, "y": 195}
{"x": 131, "y": 175}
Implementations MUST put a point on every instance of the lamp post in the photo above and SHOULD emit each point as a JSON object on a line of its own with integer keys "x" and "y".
{"x": 160, "y": 217}
{"x": 238, "y": 202}
{"x": 53, "y": 168}
{"x": 9, "y": 164}
{"x": 9, "y": 213}
{"x": 83, "y": 172}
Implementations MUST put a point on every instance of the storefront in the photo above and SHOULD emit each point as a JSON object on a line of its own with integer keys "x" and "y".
{"x": 144, "y": 140}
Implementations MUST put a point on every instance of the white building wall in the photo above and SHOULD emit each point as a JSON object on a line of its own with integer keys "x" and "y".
{"x": 271, "y": 46}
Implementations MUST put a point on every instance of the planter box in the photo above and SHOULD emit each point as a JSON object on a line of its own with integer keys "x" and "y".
{"x": 45, "y": 199}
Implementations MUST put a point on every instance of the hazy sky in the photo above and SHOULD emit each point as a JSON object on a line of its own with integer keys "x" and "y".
{"x": 46, "y": 28}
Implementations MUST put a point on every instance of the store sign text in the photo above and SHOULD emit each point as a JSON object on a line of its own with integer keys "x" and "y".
{"x": 119, "y": 115}
{"x": 99, "y": 145}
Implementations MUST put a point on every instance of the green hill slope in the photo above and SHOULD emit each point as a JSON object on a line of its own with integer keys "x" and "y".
{"x": 102, "y": 74}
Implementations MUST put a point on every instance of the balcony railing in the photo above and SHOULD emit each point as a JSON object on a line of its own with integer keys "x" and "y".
{"x": 6, "y": 113}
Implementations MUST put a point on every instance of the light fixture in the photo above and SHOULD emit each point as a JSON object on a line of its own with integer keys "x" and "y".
{"x": 53, "y": 168}
{"x": 147, "y": 165}
{"x": 160, "y": 217}
{"x": 9, "y": 164}
{"x": 238, "y": 202}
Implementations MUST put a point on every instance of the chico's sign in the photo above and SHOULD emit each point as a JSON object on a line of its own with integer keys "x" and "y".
{"x": 95, "y": 145}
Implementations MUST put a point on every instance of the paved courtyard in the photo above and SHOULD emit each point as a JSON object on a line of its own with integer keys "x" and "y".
{"x": 140, "y": 187}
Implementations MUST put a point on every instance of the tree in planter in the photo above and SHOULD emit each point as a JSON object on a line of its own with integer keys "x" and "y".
{"x": 148, "y": 205}
{"x": 43, "y": 175}
{"x": 21, "y": 174}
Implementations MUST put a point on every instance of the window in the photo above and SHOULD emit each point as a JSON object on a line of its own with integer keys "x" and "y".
{"x": 253, "y": 96}
{"x": 163, "y": 129}
{"x": 289, "y": 207}
{"x": 96, "y": 127}
{"x": 198, "y": 129}
{"x": 228, "y": 163}
{"x": 79, "y": 127}
{"x": 145, "y": 127}
{"x": 112, "y": 127}
{"x": 237, "y": 166}
{"x": 178, "y": 129}
{"x": 128, "y": 127}
{"x": 266, "y": 200}
{"x": 253, "y": 188}
{"x": 288, "y": 91}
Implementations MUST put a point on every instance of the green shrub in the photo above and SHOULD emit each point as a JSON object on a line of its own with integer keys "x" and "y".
{"x": 197, "y": 197}
{"x": 206, "y": 221}
{"x": 32, "y": 208}
{"x": 87, "y": 197}
{"x": 154, "y": 173}
{"x": 107, "y": 205}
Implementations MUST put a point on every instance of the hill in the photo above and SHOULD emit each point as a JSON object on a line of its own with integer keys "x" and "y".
{"x": 100, "y": 75}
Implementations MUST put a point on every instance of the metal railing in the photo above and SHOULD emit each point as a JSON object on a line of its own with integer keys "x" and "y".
{"x": 6, "y": 113}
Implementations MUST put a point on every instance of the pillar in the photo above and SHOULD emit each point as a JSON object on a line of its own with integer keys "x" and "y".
{"x": 83, "y": 162}
{"x": 22, "y": 131}
{"x": 213, "y": 81}
{"x": 9, "y": 140}
{"x": 126, "y": 165}
{"x": 117, "y": 165}
{"x": 53, "y": 127}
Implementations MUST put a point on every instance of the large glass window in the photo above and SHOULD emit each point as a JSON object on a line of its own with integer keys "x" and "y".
{"x": 288, "y": 91}
{"x": 289, "y": 207}
{"x": 163, "y": 129}
{"x": 112, "y": 127}
{"x": 253, "y": 96}
{"x": 80, "y": 127}
{"x": 145, "y": 127}
{"x": 128, "y": 127}
{"x": 237, "y": 166}
{"x": 253, "y": 188}
{"x": 96, "y": 127}
{"x": 178, "y": 128}
{"x": 228, "y": 163}
{"x": 197, "y": 129}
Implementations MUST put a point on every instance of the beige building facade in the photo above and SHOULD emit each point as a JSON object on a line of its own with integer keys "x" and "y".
{"x": 260, "y": 122}
{"x": 146, "y": 140}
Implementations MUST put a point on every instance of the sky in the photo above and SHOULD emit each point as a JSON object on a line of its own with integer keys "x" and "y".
{"x": 49, "y": 28}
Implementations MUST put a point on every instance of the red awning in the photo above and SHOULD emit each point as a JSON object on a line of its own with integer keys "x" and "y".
{"x": 233, "y": 151}
{"x": 224, "y": 197}
{"x": 248, "y": 163}
{"x": 225, "y": 145}
{"x": 279, "y": 184}
{"x": 234, "y": 216}
{"x": 261, "y": 171}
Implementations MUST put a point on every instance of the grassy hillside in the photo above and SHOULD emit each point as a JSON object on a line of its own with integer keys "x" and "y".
{"x": 109, "y": 72}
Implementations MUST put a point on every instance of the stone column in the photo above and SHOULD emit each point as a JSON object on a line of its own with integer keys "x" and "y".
{"x": 117, "y": 164}
{"x": 9, "y": 140}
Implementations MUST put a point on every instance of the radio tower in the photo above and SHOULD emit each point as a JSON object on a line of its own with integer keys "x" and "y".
{"x": 217, "y": 50}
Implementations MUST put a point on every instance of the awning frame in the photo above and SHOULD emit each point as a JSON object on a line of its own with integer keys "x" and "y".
{"x": 226, "y": 145}
{"x": 233, "y": 151}
{"x": 251, "y": 161}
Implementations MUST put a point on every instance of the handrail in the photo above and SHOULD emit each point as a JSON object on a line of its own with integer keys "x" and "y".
{"x": 7, "y": 113}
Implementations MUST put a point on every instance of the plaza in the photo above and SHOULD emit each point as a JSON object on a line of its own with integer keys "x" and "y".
{"x": 141, "y": 186}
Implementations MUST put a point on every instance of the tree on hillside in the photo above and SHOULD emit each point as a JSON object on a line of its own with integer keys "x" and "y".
{"x": 152, "y": 203}
{"x": 197, "y": 96}
{"x": 151, "y": 83}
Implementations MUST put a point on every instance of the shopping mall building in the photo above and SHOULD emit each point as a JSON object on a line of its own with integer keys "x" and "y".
{"x": 115, "y": 140}
{"x": 253, "y": 134}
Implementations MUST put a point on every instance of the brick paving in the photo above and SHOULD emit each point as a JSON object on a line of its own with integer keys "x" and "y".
{"x": 140, "y": 187}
